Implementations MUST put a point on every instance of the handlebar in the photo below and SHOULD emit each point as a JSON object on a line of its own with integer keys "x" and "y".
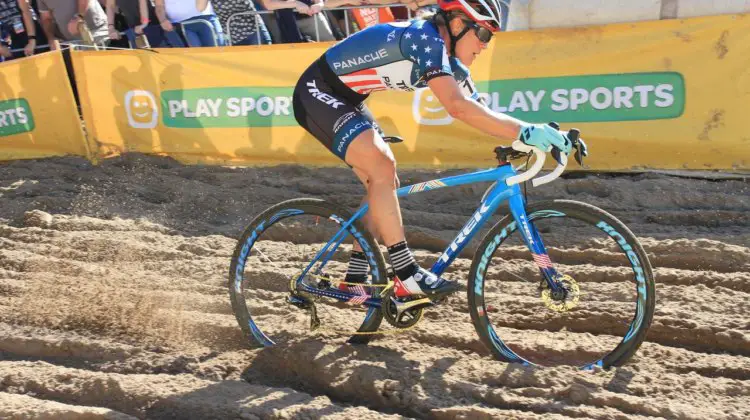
{"x": 520, "y": 149}
{"x": 562, "y": 163}
{"x": 531, "y": 173}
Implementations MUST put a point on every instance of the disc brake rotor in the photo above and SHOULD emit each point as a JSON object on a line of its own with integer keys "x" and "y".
{"x": 569, "y": 298}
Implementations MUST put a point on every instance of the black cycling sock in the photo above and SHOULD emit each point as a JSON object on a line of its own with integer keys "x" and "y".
{"x": 357, "y": 271}
{"x": 402, "y": 260}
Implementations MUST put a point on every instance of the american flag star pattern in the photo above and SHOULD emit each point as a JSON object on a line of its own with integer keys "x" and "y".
{"x": 397, "y": 56}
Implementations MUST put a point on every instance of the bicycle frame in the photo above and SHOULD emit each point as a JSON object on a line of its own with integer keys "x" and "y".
{"x": 495, "y": 195}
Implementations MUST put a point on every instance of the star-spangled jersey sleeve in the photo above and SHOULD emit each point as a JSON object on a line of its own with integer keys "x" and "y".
{"x": 397, "y": 56}
{"x": 422, "y": 45}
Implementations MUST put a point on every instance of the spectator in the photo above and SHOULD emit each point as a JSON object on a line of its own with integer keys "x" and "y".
{"x": 18, "y": 28}
{"x": 367, "y": 17}
{"x": 135, "y": 13}
{"x": 73, "y": 17}
{"x": 285, "y": 28}
{"x": 172, "y": 12}
{"x": 339, "y": 18}
{"x": 117, "y": 23}
{"x": 140, "y": 20}
{"x": 307, "y": 22}
{"x": 410, "y": 10}
{"x": 245, "y": 29}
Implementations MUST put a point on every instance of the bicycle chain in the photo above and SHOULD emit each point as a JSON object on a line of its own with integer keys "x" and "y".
{"x": 387, "y": 287}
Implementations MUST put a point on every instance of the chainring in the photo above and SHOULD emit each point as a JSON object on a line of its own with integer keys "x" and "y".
{"x": 403, "y": 313}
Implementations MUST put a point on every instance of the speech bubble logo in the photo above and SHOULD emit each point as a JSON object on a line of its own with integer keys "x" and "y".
{"x": 427, "y": 109}
{"x": 140, "y": 106}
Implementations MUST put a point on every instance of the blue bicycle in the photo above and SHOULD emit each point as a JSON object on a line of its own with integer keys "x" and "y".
{"x": 553, "y": 282}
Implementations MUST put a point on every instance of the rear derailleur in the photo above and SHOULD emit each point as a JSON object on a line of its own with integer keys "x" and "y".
{"x": 305, "y": 300}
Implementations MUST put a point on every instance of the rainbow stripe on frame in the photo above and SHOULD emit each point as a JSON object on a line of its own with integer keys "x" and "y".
{"x": 426, "y": 186}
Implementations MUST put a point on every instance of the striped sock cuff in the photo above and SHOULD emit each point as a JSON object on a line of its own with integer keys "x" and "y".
{"x": 401, "y": 256}
{"x": 357, "y": 264}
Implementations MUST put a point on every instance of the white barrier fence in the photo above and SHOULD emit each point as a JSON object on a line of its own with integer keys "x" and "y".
{"x": 505, "y": 5}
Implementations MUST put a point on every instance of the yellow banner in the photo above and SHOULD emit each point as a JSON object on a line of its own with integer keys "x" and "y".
{"x": 135, "y": 100}
{"x": 38, "y": 115}
{"x": 665, "y": 94}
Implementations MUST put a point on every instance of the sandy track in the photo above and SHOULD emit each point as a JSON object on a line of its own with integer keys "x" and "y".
{"x": 113, "y": 303}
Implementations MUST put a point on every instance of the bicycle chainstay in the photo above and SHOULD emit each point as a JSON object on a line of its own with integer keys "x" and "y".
{"x": 316, "y": 326}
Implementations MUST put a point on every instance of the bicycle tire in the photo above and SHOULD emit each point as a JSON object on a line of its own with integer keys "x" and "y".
{"x": 275, "y": 215}
{"x": 581, "y": 213}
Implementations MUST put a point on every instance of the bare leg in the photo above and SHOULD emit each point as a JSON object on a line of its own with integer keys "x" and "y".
{"x": 374, "y": 164}
{"x": 367, "y": 219}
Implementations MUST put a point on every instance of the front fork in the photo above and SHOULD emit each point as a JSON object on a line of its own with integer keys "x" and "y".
{"x": 533, "y": 241}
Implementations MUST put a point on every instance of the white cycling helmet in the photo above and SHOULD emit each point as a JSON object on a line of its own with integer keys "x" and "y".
{"x": 486, "y": 13}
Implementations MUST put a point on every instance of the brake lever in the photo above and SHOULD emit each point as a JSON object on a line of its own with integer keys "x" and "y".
{"x": 581, "y": 151}
{"x": 557, "y": 155}
{"x": 574, "y": 135}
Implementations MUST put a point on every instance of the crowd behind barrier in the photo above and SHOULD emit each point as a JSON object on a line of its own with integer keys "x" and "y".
{"x": 672, "y": 105}
{"x": 33, "y": 26}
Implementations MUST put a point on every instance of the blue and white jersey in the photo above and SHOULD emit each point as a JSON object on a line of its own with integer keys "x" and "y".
{"x": 397, "y": 56}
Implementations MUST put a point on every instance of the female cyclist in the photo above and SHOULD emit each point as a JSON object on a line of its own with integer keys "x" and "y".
{"x": 431, "y": 52}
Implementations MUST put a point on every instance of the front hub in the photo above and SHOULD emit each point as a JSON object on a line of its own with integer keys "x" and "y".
{"x": 563, "y": 299}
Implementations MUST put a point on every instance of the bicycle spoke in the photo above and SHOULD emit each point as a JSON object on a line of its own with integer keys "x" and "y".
{"x": 580, "y": 321}
{"x": 269, "y": 306}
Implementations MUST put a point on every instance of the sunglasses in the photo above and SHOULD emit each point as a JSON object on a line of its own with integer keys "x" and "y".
{"x": 483, "y": 34}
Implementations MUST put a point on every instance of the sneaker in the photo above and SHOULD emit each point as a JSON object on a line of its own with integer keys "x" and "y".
{"x": 424, "y": 283}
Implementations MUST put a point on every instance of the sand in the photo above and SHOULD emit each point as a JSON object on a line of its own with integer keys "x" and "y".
{"x": 114, "y": 304}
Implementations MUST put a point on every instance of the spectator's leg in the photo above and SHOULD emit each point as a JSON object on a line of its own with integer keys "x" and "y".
{"x": 174, "y": 38}
{"x": 209, "y": 34}
{"x": 333, "y": 17}
{"x": 265, "y": 37}
{"x": 288, "y": 26}
{"x": 130, "y": 35}
{"x": 307, "y": 27}
{"x": 273, "y": 28}
{"x": 156, "y": 37}
{"x": 18, "y": 41}
{"x": 250, "y": 40}
{"x": 192, "y": 37}
{"x": 218, "y": 30}
{"x": 258, "y": 37}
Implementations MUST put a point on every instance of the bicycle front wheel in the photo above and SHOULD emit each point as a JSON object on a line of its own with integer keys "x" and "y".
{"x": 609, "y": 289}
{"x": 271, "y": 255}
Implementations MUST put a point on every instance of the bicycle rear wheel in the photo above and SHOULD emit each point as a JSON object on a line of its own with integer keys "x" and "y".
{"x": 610, "y": 296}
{"x": 272, "y": 253}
